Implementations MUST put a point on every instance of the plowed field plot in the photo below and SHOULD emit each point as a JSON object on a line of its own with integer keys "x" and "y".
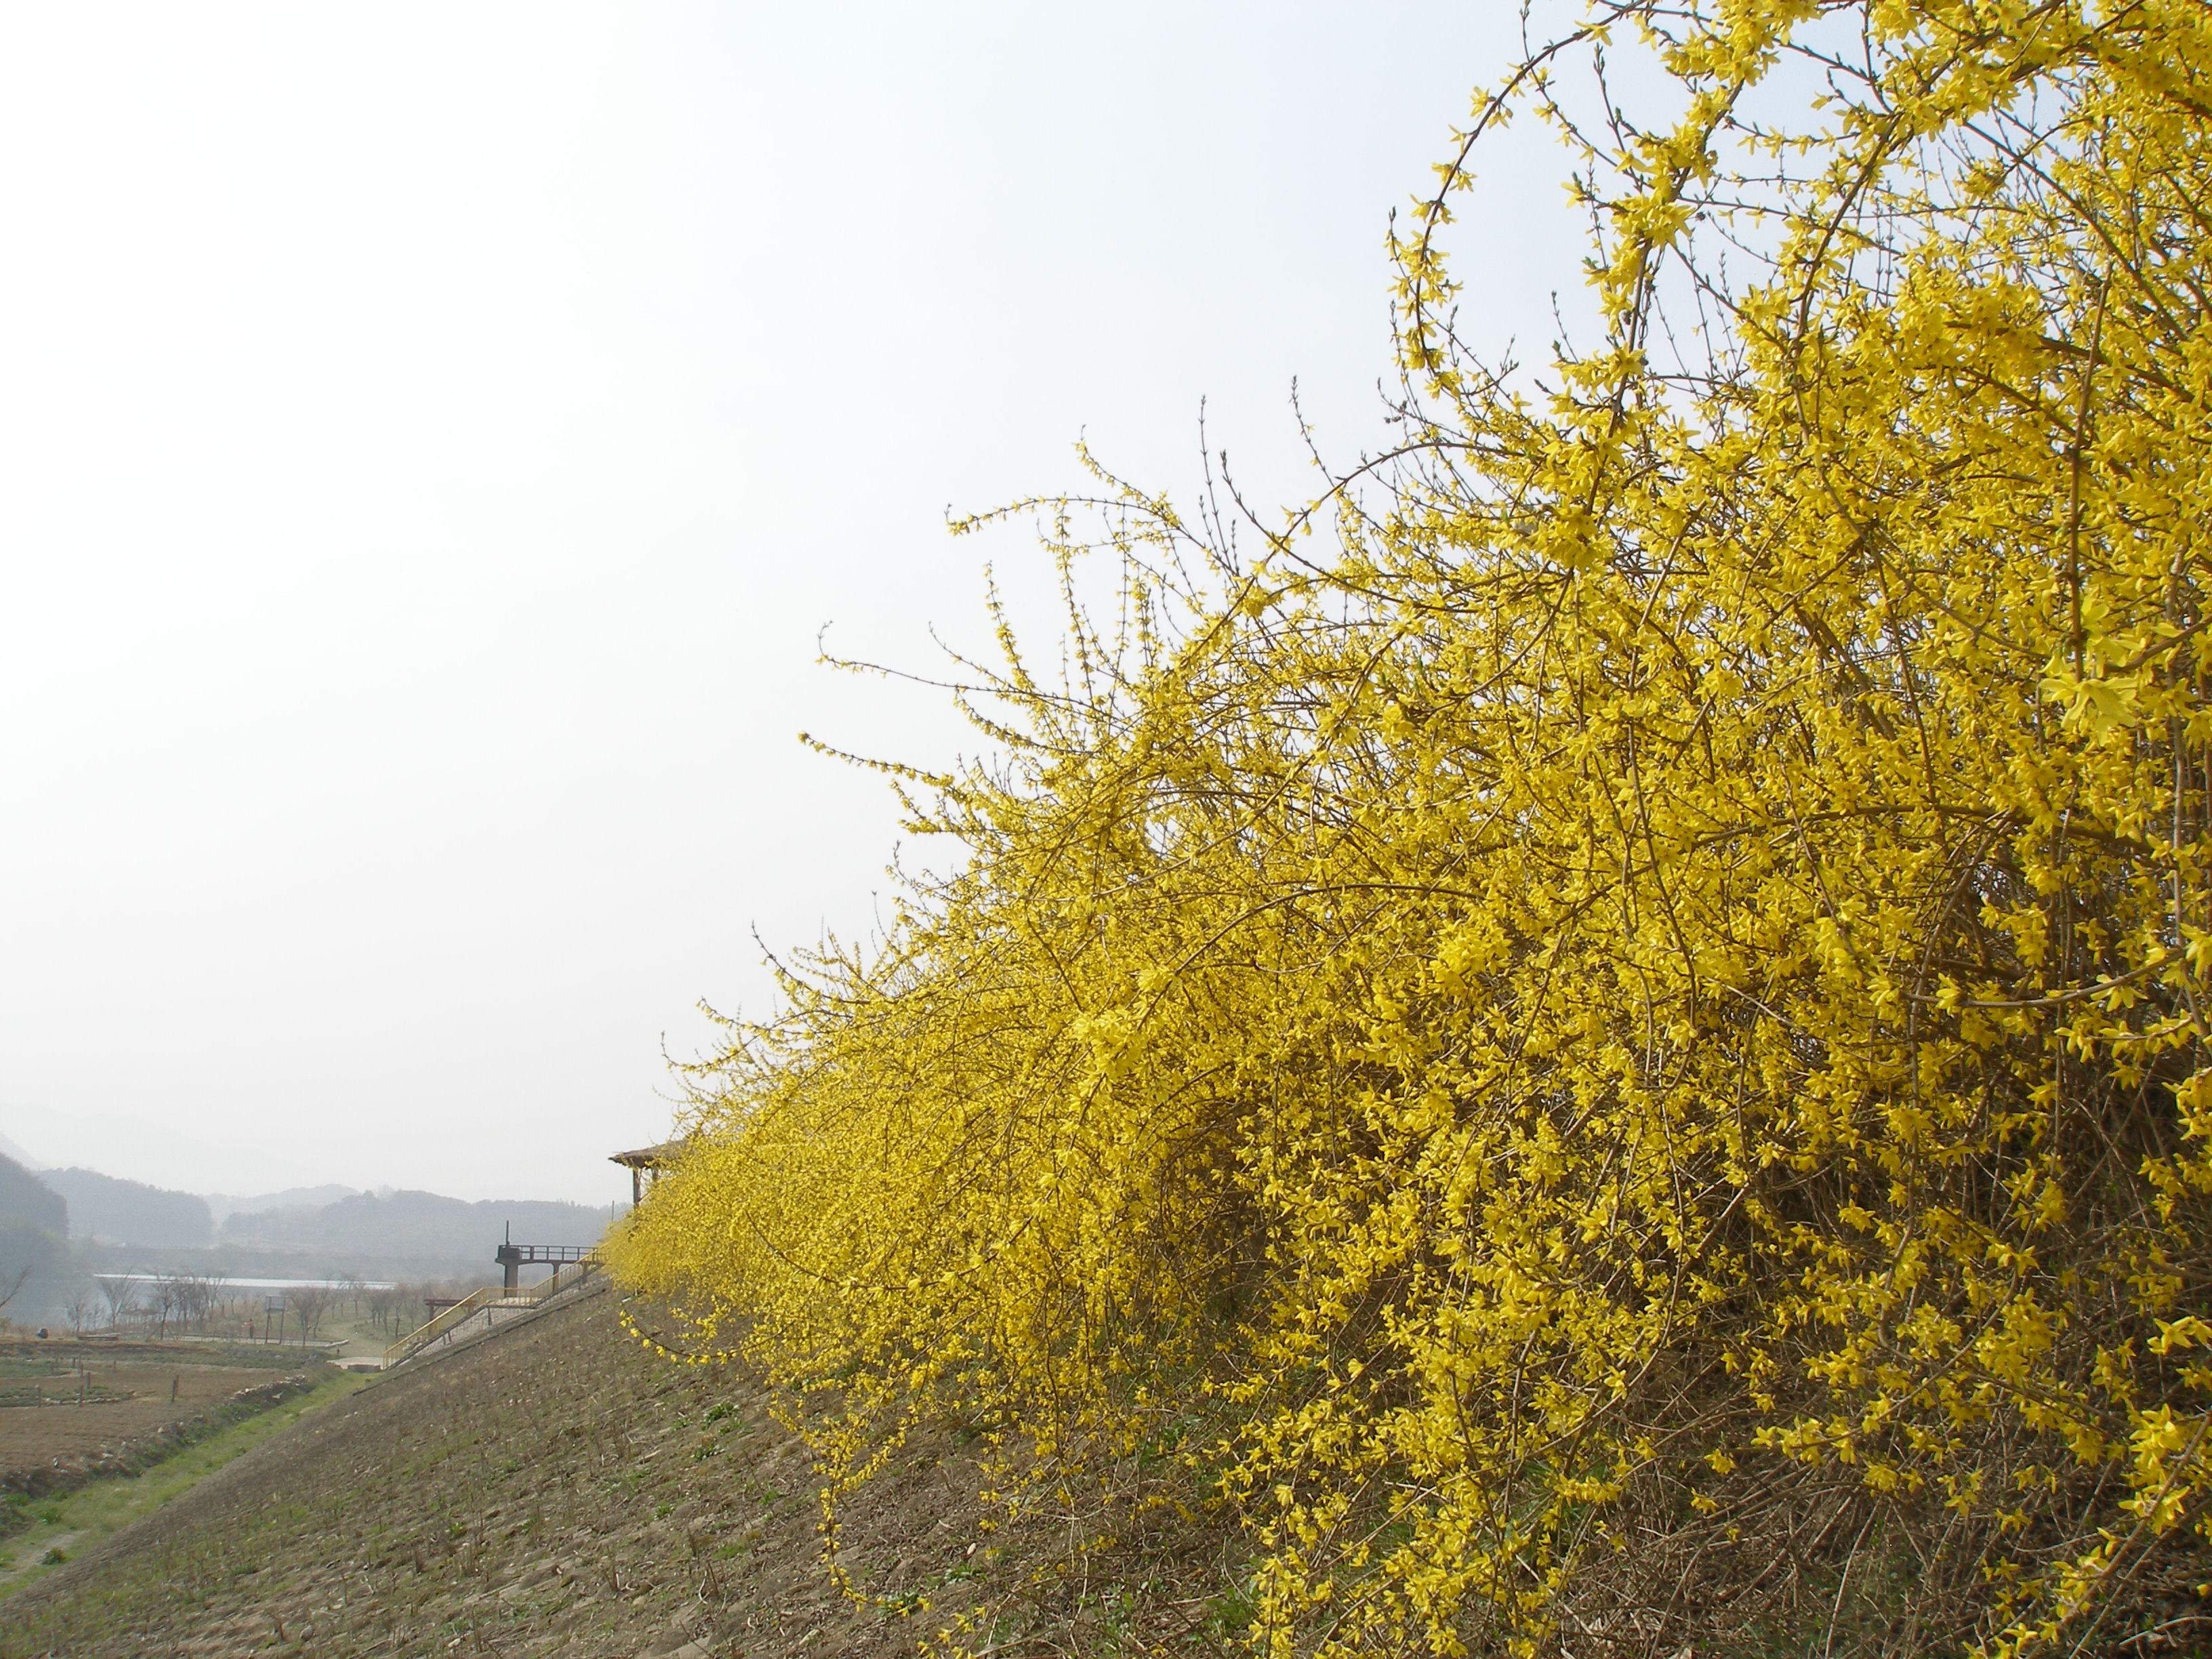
{"x": 61, "y": 1403}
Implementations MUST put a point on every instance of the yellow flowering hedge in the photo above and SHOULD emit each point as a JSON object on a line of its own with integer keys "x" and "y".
{"x": 1607, "y": 1024}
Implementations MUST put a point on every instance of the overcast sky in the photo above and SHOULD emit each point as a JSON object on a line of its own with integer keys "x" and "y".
{"x": 432, "y": 437}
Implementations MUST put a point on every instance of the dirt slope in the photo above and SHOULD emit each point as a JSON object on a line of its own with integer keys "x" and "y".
{"x": 556, "y": 1490}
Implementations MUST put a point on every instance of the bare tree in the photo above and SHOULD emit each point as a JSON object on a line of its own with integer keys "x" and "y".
{"x": 384, "y": 1302}
{"x": 83, "y": 1302}
{"x": 213, "y": 1283}
{"x": 171, "y": 1297}
{"x": 121, "y": 1291}
{"x": 408, "y": 1311}
{"x": 310, "y": 1303}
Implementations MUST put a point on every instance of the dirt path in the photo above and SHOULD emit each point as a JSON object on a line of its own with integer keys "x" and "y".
{"x": 60, "y": 1543}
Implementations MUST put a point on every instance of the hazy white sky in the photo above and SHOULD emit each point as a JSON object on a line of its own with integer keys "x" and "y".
{"x": 431, "y": 438}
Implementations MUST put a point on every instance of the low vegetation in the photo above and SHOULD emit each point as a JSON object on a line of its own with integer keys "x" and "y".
{"x": 557, "y": 1489}
{"x": 1598, "y": 1040}
{"x": 49, "y": 1531}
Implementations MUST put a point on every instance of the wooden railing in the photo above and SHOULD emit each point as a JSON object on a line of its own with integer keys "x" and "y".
{"x": 492, "y": 1295}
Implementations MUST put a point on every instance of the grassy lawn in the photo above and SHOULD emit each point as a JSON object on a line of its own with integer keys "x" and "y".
{"x": 68, "y": 1525}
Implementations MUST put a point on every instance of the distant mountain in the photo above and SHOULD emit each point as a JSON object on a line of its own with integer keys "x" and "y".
{"x": 422, "y": 1224}
{"x": 33, "y": 1223}
{"x": 226, "y": 1204}
{"x": 33, "y": 1264}
{"x": 130, "y": 1212}
{"x": 24, "y": 1197}
{"x": 9, "y": 1150}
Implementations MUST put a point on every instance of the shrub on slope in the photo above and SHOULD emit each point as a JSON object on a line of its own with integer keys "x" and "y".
{"x": 1610, "y": 1041}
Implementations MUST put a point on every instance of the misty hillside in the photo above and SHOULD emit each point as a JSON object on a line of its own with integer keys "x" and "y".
{"x": 118, "y": 1211}
{"x": 226, "y": 1204}
{"x": 412, "y": 1223}
{"x": 33, "y": 1223}
{"x": 25, "y": 1198}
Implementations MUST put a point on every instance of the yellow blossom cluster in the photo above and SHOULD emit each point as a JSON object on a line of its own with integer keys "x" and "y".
{"x": 1642, "y": 961}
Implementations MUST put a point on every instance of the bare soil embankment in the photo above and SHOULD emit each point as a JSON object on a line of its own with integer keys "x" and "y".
{"x": 558, "y": 1490}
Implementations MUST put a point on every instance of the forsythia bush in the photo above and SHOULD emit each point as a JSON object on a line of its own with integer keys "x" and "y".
{"x": 1606, "y": 1032}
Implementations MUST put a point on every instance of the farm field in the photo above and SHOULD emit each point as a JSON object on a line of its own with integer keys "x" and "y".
{"x": 67, "y": 1406}
{"x": 557, "y": 1489}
